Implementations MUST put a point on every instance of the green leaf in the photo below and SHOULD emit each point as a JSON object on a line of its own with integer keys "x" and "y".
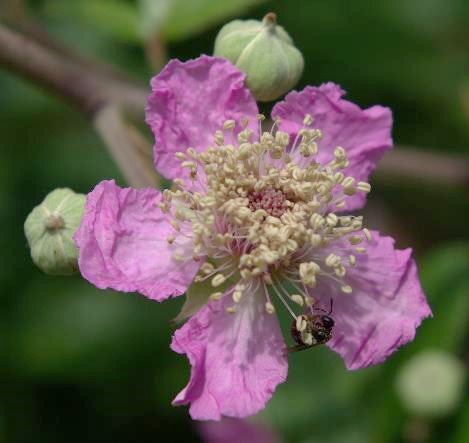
{"x": 178, "y": 19}
{"x": 446, "y": 283}
{"x": 197, "y": 295}
{"x": 116, "y": 18}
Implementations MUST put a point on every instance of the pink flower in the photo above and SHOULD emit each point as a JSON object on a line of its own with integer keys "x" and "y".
{"x": 263, "y": 218}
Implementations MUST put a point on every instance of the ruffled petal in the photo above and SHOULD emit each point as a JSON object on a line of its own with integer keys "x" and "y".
{"x": 237, "y": 359}
{"x": 385, "y": 308}
{"x": 189, "y": 102}
{"x": 122, "y": 244}
{"x": 364, "y": 133}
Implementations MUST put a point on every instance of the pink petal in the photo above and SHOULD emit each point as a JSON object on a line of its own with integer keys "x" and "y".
{"x": 235, "y": 430}
{"x": 122, "y": 243}
{"x": 364, "y": 133}
{"x": 189, "y": 102}
{"x": 237, "y": 359}
{"x": 385, "y": 308}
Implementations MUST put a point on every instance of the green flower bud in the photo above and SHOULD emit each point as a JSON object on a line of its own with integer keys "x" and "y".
{"x": 265, "y": 52}
{"x": 431, "y": 383}
{"x": 49, "y": 229}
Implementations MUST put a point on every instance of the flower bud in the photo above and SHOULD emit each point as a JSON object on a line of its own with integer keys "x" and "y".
{"x": 264, "y": 52}
{"x": 431, "y": 383}
{"x": 49, "y": 229}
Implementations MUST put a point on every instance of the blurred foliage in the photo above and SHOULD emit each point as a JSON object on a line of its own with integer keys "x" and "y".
{"x": 79, "y": 364}
{"x": 130, "y": 22}
{"x": 116, "y": 18}
{"x": 179, "y": 19}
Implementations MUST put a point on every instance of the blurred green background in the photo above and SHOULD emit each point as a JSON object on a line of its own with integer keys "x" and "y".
{"x": 78, "y": 364}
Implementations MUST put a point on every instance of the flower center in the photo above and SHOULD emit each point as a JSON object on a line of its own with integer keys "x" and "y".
{"x": 270, "y": 200}
{"x": 266, "y": 213}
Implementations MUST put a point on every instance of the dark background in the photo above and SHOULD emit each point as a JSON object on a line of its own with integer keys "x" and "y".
{"x": 79, "y": 364}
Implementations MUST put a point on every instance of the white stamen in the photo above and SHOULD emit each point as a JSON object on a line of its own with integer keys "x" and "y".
{"x": 216, "y": 295}
{"x": 218, "y": 280}
{"x": 367, "y": 234}
{"x": 346, "y": 289}
{"x": 269, "y": 307}
{"x": 298, "y": 299}
{"x": 266, "y": 215}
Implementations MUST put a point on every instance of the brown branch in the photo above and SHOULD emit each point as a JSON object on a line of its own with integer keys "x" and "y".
{"x": 28, "y": 59}
{"x": 95, "y": 95}
{"x": 136, "y": 164}
{"x": 71, "y": 77}
{"x": 408, "y": 163}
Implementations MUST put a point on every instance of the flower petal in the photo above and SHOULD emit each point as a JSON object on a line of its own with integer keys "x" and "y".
{"x": 364, "y": 133}
{"x": 237, "y": 359}
{"x": 189, "y": 102}
{"x": 122, "y": 243}
{"x": 385, "y": 308}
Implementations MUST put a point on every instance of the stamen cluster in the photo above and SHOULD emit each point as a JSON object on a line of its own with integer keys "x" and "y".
{"x": 264, "y": 219}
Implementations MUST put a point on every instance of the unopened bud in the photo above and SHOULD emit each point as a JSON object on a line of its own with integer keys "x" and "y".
{"x": 49, "y": 229}
{"x": 264, "y": 52}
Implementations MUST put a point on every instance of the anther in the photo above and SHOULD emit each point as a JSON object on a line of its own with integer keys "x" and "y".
{"x": 298, "y": 299}
{"x": 207, "y": 268}
{"x": 219, "y": 138}
{"x": 339, "y": 153}
{"x": 332, "y": 219}
{"x": 332, "y": 260}
{"x": 188, "y": 164}
{"x": 237, "y": 296}
{"x": 308, "y": 120}
{"x": 364, "y": 187}
{"x": 192, "y": 153}
{"x": 270, "y": 308}
{"x": 346, "y": 289}
{"x": 355, "y": 240}
{"x": 216, "y": 296}
{"x": 315, "y": 240}
{"x": 367, "y": 233}
{"x": 218, "y": 280}
{"x": 340, "y": 205}
{"x": 229, "y": 124}
{"x": 307, "y": 273}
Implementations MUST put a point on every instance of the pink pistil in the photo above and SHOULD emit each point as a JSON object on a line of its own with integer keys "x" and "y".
{"x": 270, "y": 200}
